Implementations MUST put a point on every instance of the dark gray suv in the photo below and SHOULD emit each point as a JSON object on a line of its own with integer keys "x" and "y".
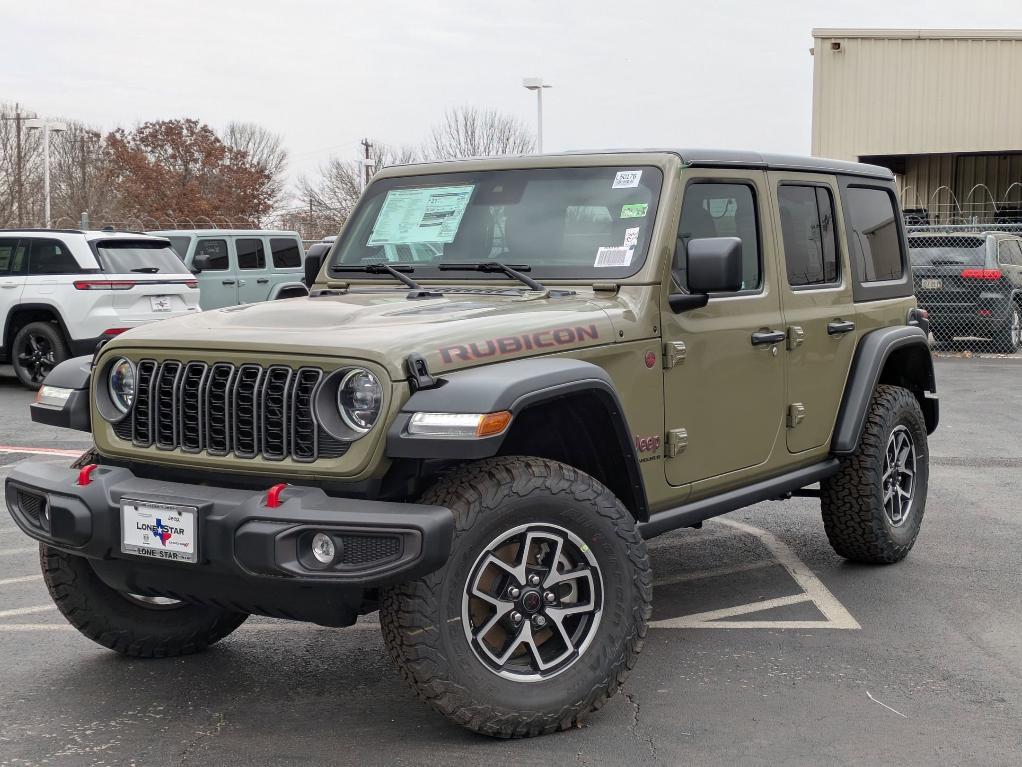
{"x": 971, "y": 284}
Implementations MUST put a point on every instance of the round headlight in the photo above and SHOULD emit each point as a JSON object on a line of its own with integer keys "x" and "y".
{"x": 360, "y": 399}
{"x": 122, "y": 384}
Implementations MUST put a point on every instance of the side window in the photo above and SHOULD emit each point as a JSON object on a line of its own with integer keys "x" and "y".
{"x": 285, "y": 253}
{"x": 51, "y": 257}
{"x": 875, "y": 230}
{"x": 251, "y": 254}
{"x": 12, "y": 255}
{"x": 810, "y": 240}
{"x": 217, "y": 250}
{"x": 712, "y": 209}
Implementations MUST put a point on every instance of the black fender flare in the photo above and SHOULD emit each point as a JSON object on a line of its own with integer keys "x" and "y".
{"x": 288, "y": 286}
{"x": 874, "y": 350}
{"x": 513, "y": 386}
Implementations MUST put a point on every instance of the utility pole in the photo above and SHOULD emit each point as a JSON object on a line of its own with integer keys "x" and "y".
{"x": 367, "y": 163}
{"x": 46, "y": 126}
{"x": 19, "y": 162}
{"x": 537, "y": 84}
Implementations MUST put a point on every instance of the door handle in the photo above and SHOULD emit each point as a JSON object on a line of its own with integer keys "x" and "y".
{"x": 9, "y": 285}
{"x": 768, "y": 337}
{"x": 226, "y": 282}
{"x": 837, "y": 327}
{"x": 263, "y": 280}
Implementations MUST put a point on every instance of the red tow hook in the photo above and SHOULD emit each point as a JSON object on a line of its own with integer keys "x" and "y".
{"x": 85, "y": 474}
{"x": 273, "y": 495}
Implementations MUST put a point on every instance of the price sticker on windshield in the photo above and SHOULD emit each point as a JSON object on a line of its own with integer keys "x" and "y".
{"x": 627, "y": 179}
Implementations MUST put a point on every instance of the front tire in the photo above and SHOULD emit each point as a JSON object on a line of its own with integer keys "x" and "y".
{"x": 873, "y": 507}
{"x": 37, "y": 349}
{"x": 136, "y": 626}
{"x": 516, "y": 646}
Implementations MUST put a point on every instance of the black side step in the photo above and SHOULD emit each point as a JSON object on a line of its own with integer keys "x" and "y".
{"x": 692, "y": 513}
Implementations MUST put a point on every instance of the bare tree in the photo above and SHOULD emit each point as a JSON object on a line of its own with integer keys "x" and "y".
{"x": 469, "y": 131}
{"x": 327, "y": 202}
{"x": 30, "y": 176}
{"x": 81, "y": 175}
{"x": 265, "y": 151}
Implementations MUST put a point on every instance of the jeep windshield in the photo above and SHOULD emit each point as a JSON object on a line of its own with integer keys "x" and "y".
{"x": 557, "y": 223}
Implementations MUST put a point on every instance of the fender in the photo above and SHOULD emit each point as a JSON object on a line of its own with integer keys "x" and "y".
{"x": 514, "y": 386}
{"x": 73, "y": 374}
{"x": 295, "y": 288}
{"x": 872, "y": 354}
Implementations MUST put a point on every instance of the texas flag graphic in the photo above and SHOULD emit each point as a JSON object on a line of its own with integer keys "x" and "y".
{"x": 161, "y": 532}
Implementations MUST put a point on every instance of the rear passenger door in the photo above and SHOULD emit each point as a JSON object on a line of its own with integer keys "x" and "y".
{"x": 218, "y": 285}
{"x": 12, "y": 277}
{"x": 253, "y": 269}
{"x": 816, "y": 302}
{"x": 286, "y": 257}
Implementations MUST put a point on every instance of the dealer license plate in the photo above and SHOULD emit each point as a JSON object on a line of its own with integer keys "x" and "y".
{"x": 160, "y": 303}
{"x": 932, "y": 284}
{"x": 158, "y": 530}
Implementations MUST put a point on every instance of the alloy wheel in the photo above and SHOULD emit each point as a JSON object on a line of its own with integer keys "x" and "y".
{"x": 899, "y": 475}
{"x": 532, "y": 602}
{"x": 36, "y": 357}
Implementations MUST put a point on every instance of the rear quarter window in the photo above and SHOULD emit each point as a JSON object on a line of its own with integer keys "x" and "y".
{"x": 285, "y": 253}
{"x": 876, "y": 239}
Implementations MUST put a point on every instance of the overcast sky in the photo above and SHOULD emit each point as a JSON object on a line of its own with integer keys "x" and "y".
{"x": 731, "y": 73}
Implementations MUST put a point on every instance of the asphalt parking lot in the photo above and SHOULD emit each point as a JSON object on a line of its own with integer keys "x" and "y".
{"x": 766, "y": 647}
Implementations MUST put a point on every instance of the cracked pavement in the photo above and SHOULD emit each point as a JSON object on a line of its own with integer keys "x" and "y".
{"x": 933, "y": 676}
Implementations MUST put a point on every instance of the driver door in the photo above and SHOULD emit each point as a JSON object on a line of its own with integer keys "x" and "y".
{"x": 724, "y": 392}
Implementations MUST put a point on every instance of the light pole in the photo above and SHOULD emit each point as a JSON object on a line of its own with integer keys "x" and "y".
{"x": 46, "y": 126}
{"x": 536, "y": 84}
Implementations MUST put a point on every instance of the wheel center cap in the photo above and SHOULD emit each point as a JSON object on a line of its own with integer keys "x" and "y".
{"x": 531, "y": 601}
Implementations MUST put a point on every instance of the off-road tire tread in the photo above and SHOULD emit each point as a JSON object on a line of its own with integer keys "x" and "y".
{"x": 413, "y": 640}
{"x": 848, "y": 499}
{"x": 73, "y": 587}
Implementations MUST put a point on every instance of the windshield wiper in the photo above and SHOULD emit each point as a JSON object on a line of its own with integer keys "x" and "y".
{"x": 513, "y": 271}
{"x": 379, "y": 268}
{"x": 147, "y": 269}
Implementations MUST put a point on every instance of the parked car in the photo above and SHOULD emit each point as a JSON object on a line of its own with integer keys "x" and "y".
{"x": 971, "y": 284}
{"x": 63, "y": 291}
{"x": 241, "y": 266}
{"x": 604, "y": 348}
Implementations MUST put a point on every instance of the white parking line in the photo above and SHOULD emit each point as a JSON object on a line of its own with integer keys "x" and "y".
{"x": 835, "y": 614}
{"x": 26, "y": 610}
{"x": 20, "y": 579}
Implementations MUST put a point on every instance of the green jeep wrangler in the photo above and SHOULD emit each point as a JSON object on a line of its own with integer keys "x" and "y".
{"x": 510, "y": 373}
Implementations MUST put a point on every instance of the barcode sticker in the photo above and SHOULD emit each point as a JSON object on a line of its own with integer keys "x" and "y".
{"x": 627, "y": 179}
{"x": 609, "y": 257}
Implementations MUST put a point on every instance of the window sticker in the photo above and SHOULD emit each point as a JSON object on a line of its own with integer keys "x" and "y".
{"x": 635, "y": 210}
{"x": 627, "y": 179}
{"x": 631, "y": 237}
{"x": 410, "y": 216}
{"x": 611, "y": 257}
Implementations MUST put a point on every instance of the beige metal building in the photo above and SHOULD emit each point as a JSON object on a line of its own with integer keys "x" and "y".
{"x": 941, "y": 108}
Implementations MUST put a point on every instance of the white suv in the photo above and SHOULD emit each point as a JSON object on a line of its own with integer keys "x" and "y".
{"x": 64, "y": 291}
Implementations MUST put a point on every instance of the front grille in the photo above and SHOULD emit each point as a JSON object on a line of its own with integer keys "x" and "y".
{"x": 248, "y": 411}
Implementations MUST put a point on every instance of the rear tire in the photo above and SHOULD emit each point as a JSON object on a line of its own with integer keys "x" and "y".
{"x": 37, "y": 349}
{"x": 873, "y": 507}
{"x": 1008, "y": 339}
{"x": 539, "y": 651}
{"x": 127, "y": 624}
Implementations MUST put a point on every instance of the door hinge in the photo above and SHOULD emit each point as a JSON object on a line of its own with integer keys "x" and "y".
{"x": 674, "y": 353}
{"x": 796, "y": 336}
{"x": 677, "y": 441}
{"x": 796, "y": 414}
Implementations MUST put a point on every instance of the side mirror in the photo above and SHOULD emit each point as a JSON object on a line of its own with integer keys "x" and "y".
{"x": 201, "y": 261}
{"x": 714, "y": 266}
{"x": 313, "y": 263}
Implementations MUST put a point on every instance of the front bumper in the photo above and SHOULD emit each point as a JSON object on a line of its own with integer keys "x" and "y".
{"x": 250, "y": 557}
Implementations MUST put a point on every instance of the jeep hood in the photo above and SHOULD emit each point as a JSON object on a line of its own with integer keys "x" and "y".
{"x": 454, "y": 331}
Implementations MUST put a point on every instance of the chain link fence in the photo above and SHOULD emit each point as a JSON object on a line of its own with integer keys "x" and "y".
{"x": 969, "y": 278}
